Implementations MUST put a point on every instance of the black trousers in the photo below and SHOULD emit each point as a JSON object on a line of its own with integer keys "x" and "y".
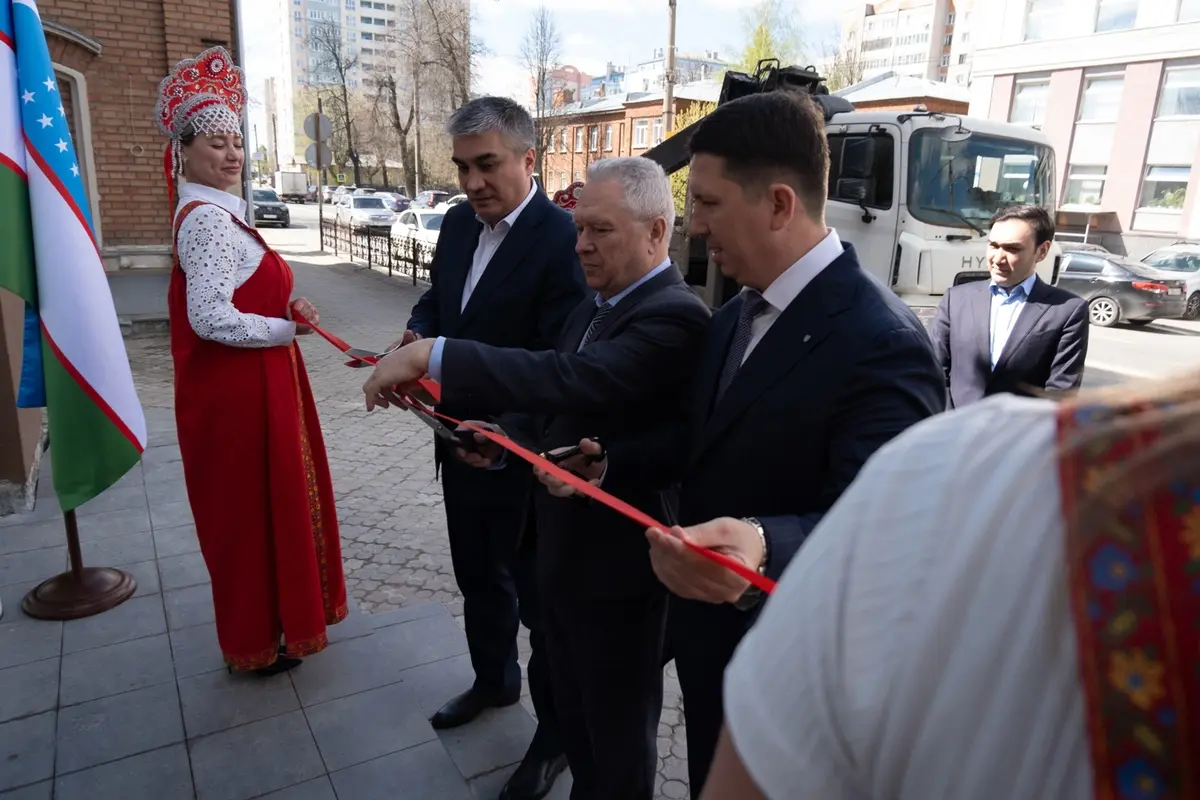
{"x": 606, "y": 655}
{"x": 499, "y": 590}
{"x": 703, "y": 639}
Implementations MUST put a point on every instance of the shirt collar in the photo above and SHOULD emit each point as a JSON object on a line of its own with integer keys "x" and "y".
{"x": 621, "y": 295}
{"x": 1026, "y": 286}
{"x": 787, "y": 287}
{"x": 511, "y": 219}
{"x": 195, "y": 191}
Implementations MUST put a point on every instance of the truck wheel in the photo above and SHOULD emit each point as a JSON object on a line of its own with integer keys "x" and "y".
{"x": 1104, "y": 312}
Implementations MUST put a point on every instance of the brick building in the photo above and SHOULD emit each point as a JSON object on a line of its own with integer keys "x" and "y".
{"x": 893, "y": 92}
{"x": 625, "y": 124}
{"x": 109, "y": 56}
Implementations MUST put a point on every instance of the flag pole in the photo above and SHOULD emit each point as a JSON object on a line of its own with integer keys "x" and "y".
{"x": 81, "y": 591}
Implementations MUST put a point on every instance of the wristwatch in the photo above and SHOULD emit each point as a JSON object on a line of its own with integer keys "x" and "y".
{"x": 753, "y": 595}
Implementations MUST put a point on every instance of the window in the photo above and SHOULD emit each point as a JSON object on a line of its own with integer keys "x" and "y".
{"x": 352, "y": 36}
{"x": 368, "y": 36}
{"x": 608, "y": 140}
{"x": 1029, "y": 102}
{"x": 578, "y": 176}
{"x": 1085, "y": 186}
{"x": 1165, "y": 188}
{"x": 658, "y": 130}
{"x": 1080, "y": 264}
{"x": 562, "y": 180}
{"x": 1101, "y": 98}
{"x": 563, "y": 141}
{"x": 365, "y": 20}
{"x": 297, "y": 15}
{"x": 1043, "y": 18}
{"x": 948, "y": 40}
{"x": 962, "y": 58}
{"x": 1180, "y": 92}
{"x": 299, "y": 33}
{"x": 950, "y": 18}
{"x": 350, "y": 5}
{"x": 945, "y": 61}
{"x": 1116, "y": 15}
{"x": 872, "y": 174}
{"x": 641, "y": 133}
{"x": 579, "y": 140}
{"x": 593, "y": 138}
{"x": 1189, "y": 10}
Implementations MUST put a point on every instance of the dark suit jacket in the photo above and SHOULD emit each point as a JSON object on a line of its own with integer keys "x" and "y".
{"x": 1046, "y": 350}
{"x": 844, "y": 369}
{"x": 628, "y": 381}
{"x": 531, "y": 284}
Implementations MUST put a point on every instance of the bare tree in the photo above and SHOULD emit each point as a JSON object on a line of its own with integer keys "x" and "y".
{"x": 844, "y": 66}
{"x": 334, "y": 63}
{"x": 541, "y": 51}
{"x": 452, "y": 47}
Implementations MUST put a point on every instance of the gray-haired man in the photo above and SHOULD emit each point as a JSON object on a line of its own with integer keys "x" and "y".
{"x": 620, "y": 370}
{"x": 505, "y": 274}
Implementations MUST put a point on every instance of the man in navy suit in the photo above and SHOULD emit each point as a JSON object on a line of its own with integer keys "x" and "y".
{"x": 621, "y": 369}
{"x": 1013, "y": 333}
{"x": 803, "y": 376}
{"x": 505, "y": 273}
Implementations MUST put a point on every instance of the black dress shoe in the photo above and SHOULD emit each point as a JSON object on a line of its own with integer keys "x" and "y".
{"x": 534, "y": 778}
{"x": 469, "y": 705}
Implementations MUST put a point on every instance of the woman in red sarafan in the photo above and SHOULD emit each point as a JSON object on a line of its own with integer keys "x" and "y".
{"x": 253, "y": 455}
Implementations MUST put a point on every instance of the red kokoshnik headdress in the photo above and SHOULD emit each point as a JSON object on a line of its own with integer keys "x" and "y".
{"x": 204, "y": 95}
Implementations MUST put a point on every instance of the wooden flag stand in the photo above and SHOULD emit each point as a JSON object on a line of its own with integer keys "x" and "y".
{"x": 81, "y": 592}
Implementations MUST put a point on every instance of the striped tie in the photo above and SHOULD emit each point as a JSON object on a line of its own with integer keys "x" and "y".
{"x": 753, "y": 304}
{"x": 601, "y": 313}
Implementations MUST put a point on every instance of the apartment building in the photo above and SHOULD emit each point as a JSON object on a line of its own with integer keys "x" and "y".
{"x": 905, "y": 37}
{"x": 626, "y": 124}
{"x": 1116, "y": 86}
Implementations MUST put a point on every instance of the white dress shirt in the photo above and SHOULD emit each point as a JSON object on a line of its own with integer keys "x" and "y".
{"x": 920, "y": 646}
{"x": 218, "y": 255}
{"x": 787, "y": 287}
{"x": 490, "y": 239}
{"x": 1007, "y": 305}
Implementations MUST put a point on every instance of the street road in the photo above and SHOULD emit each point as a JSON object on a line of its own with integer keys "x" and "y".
{"x": 1115, "y": 354}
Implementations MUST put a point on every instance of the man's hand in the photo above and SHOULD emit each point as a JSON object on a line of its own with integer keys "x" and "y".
{"x": 305, "y": 309}
{"x": 408, "y": 338}
{"x": 589, "y": 471}
{"x": 690, "y": 575}
{"x": 486, "y": 453}
{"x": 403, "y": 366}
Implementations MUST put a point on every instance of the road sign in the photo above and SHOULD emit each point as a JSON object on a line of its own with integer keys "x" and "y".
{"x": 311, "y": 123}
{"x": 341, "y": 177}
{"x": 310, "y": 155}
{"x": 260, "y": 154}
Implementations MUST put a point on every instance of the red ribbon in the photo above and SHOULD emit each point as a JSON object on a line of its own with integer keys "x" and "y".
{"x": 574, "y": 481}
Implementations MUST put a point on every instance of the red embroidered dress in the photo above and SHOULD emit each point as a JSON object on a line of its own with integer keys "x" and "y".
{"x": 257, "y": 477}
{"x": 1135, "y": 596}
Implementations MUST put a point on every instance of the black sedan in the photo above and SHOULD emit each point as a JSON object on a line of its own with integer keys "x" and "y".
{"x": 1117, "y": 289}
{"x": 270, "y": 210}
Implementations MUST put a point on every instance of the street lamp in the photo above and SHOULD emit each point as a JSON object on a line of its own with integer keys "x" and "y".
{"x": 669, "y": 94}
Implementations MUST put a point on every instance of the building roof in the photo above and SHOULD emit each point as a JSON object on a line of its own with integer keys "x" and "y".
{"x": 703, "y": 91}
{"x": 890, "y": 86}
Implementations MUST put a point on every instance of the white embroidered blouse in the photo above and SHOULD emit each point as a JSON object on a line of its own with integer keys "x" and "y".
{"x": 218, "y": 255}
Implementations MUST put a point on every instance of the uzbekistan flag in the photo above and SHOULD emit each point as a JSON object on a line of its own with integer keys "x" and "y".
{"x": 74, "y": 361}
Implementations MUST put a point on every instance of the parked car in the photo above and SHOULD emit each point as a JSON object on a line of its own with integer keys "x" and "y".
{"x": 364, "y": 212}
{"x": 270, "y": 210}
{"x": 1117, "y": 289}
{"x": 421, "y": 226}
{"x": 1083, "y": 247}
{"x": 450, "y": 203}
{"x": 429, "y": 198}
{"x": 1183, "y": 259}
{"x": 394, "y": 200}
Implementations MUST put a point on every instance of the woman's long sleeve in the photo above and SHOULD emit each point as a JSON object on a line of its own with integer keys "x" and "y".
{"x": 211, "y": 250}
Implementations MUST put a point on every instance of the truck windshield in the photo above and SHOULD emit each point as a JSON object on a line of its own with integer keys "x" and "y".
{"x": 963, "y": 184}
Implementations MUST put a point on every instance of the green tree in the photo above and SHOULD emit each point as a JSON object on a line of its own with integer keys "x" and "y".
{"x": 770, "y": 32}
{"x": 693, "y": 112}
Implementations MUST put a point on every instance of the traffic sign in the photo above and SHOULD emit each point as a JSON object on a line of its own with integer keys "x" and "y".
{"x": 315, "y": 124}
{"x": 341, "y": 177}
{"x": 310, "y": 155}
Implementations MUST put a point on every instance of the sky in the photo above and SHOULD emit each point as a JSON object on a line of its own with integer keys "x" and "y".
{"x": 594, "y": 32}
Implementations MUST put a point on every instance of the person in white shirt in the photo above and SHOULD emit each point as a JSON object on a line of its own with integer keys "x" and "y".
{"x": 982, "y": 616}
{"x": 249, "y": 435}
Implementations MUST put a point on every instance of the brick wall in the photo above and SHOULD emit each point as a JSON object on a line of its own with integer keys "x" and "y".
{"x": 140, "y": 42}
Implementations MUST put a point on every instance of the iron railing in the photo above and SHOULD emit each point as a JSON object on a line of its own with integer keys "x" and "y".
{"x": 378, "y": 248}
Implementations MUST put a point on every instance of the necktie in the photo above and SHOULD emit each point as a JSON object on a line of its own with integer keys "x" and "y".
{"x": 601, "y": 313}
{"x": 753, "y": 304}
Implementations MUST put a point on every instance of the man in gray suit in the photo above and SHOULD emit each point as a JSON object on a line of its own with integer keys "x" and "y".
{"x": 1014, "y": 333}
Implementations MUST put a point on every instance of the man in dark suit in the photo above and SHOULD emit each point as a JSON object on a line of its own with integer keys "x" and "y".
{"x": 504, "y": 273}
{"x": 621, "y": 370}
{"x": 802, "y": 377}
{"x": 1015, "y": 333}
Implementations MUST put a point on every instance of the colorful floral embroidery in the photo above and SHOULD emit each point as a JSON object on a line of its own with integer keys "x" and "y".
{"x": 1135, "y": 594}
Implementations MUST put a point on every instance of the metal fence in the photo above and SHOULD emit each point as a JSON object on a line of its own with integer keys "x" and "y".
{"x": 378, "y": 248}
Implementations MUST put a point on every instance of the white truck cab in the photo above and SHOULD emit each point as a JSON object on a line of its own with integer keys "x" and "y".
{"x": 914, "y": 193}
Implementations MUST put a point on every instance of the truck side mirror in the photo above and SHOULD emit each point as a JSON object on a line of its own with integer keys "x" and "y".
{"x": 858, "y": 191}
{"x": 858, "y": 158}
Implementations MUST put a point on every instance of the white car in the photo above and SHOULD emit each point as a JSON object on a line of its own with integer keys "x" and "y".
{"x": 450, "y": 203}
{"x": 1185, "y": 259}
{"x": 364, "y": 212}
{"x": 421, "y": 226}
